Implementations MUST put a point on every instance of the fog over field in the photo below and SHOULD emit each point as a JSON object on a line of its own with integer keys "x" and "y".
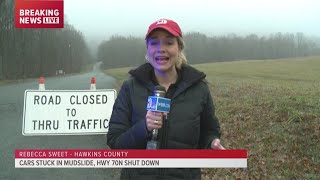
{"x": 100, "y": 19}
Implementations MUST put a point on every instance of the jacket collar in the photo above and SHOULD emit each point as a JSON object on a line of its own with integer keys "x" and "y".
{"x": 189, "y": 76}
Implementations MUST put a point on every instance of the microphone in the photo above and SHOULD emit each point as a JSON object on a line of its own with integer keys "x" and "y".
{"x": 160, "y": 104}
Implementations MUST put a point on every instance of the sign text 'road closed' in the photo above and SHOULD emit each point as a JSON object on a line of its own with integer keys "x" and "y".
{"x": 66, "y": 112}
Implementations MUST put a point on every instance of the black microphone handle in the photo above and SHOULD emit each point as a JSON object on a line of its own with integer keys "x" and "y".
{"x": 158, "y": 91}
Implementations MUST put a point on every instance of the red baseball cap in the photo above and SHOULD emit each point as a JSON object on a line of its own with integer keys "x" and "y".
{"x": 166, "y": 24}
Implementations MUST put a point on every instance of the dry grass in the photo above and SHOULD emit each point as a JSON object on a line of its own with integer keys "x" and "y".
{"x": 272, "y": 109}
{"x": 4, "y": 82}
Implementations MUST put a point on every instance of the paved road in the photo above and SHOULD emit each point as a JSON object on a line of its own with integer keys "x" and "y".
{"x": 11, "y": 138}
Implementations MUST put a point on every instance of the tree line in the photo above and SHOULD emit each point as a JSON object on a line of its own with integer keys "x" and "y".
{"x": 120, "y": 51}
{"x": 26, "y": 53}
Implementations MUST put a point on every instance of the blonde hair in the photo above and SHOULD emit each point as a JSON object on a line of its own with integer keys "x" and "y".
{"x": 181, "y": 56}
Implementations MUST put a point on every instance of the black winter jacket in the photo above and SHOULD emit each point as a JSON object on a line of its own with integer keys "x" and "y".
{"x": 191, "y": 123}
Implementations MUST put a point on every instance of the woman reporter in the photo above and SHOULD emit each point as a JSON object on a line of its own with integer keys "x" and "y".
{"x": 191, "y": 122}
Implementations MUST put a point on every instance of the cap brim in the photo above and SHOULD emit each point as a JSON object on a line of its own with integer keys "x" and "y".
{"x": 171, "y": 31}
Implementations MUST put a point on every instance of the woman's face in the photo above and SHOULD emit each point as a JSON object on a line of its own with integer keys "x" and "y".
{"x": 162, "y": 51}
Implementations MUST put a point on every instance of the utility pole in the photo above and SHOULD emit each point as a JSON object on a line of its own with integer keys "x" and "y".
{"x": 70, "y": 56}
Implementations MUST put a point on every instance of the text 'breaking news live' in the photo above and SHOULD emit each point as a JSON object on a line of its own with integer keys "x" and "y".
{"x": 39, "y": 14}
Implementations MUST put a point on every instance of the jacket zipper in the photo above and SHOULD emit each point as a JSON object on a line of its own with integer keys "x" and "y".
{"x": 164, "y": 142}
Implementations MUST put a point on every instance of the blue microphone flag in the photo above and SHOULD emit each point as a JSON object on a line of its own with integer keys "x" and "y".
{"x": 156, "y": 103}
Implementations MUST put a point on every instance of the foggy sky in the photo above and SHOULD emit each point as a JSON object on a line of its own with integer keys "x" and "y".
{"x": 103, "y": 18}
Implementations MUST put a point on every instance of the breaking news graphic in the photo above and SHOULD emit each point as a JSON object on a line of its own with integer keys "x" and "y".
{"x": 39, "y": 14}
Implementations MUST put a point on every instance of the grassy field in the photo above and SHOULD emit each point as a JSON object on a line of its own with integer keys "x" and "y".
{"x": 272, "y": 109}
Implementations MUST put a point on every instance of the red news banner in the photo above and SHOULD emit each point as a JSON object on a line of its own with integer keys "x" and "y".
{"x": 130, "y": 158}
{"x": 39, "y": 14}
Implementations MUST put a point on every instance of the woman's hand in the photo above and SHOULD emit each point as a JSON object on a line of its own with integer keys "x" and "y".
{"x": 215, "y": 144}
{"x": 154, "y": 120}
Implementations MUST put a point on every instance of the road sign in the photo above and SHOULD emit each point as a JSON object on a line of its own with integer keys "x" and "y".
{"x": 67, "y": 112}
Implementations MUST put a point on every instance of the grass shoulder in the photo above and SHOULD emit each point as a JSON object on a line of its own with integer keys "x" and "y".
{"x": 269, "y": 107}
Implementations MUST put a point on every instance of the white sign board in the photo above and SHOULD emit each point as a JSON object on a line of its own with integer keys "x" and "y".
{"x": 67, "y": 112}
